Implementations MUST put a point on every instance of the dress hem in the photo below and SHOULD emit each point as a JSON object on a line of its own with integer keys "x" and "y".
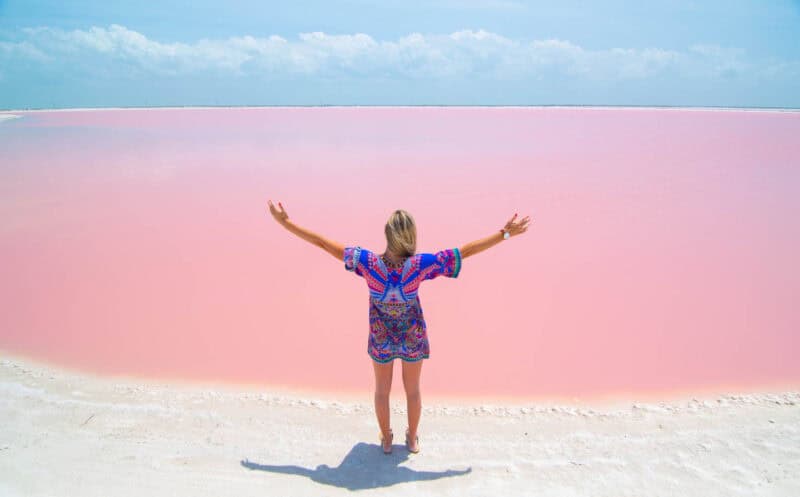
{"x": 384, "y": 361}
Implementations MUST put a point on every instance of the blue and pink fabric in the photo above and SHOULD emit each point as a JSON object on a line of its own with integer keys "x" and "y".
{"x": 396, "y": 321}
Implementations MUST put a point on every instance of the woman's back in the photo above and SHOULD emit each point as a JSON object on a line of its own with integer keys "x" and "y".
{"x": 397, "y": 324}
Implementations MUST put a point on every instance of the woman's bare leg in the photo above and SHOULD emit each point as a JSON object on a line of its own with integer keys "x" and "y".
{"x": 411, "y": 374}
{"x": 383, "y": 385}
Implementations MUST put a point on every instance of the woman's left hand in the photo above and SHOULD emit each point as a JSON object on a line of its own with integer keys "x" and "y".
{"x": 280, "y": 215}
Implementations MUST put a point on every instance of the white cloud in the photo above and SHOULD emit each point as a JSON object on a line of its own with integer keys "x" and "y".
{"x": 462, "y": 53}
{"x": 720, "y": 61}
{"x": 22, "y": 49}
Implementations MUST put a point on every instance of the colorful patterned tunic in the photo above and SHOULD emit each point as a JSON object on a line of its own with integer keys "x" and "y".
{"x": 397, "y": 326}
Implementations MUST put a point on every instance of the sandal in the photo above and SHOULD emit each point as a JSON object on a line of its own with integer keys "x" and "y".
{"x": 416, "y": 439}
{"x": 391, "y": 437}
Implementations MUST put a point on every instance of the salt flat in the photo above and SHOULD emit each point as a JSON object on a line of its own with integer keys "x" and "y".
{"x": 66, "y": 433}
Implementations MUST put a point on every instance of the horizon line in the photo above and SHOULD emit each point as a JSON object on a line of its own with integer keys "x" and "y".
{"x": 598, "y": 106}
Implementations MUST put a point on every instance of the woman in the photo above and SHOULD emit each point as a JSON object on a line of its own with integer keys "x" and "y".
{"x": 397, "y": 324}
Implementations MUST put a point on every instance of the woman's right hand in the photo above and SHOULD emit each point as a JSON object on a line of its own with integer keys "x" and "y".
{"x": 280, "y": 215}
{"x": 517, "y": 228}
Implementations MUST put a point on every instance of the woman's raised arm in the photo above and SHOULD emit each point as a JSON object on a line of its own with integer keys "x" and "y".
{"x": 477, "y": 246}
{"x": 334, "y": 248}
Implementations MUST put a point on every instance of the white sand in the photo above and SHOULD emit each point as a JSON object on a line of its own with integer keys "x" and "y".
{"x": 64, "y": 433}
{"x": 7, "y": 117}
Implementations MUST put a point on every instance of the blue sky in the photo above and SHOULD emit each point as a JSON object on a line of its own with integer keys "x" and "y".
{"x": 85, "y": 53}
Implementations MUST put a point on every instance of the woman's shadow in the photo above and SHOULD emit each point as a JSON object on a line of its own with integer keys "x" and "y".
{"x": 365, "y": 466}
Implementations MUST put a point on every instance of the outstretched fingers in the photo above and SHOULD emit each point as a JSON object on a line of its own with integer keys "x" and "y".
{"x": 522, "y": 225}
{"x": 522, "y": 221}
{"x": 272, "y": 206}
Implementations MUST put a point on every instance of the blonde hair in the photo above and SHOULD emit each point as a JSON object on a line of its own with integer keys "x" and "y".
{"x": 401, "y": 234}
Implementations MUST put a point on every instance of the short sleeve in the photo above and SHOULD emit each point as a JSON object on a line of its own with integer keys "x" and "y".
{"x": 443, "y": 263}
{"x": 356, "y": 259}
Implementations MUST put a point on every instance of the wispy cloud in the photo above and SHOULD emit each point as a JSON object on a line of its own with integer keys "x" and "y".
{"x": 115, "y": 65}
{"x": 462, "y": 53}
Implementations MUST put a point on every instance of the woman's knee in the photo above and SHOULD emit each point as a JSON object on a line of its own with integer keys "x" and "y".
{"x": 383, "y": 388}
{"x": 413, "y": 392}
{"x": 411, "y": 375}
{"x": 411, "y": 386}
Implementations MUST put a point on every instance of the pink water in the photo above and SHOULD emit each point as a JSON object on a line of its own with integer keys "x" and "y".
{"x": 663, "y": 255}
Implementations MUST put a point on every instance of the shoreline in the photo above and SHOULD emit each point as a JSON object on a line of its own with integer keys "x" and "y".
{"x": 673, "y": 399}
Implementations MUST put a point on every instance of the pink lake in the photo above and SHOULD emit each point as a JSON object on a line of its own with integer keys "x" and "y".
{"x": 663, "y": 255}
